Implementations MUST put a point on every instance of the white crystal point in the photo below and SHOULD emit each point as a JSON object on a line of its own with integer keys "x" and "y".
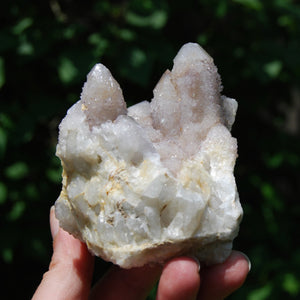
{"x": 102, "y": 97}
{"x": 155, "y": 181}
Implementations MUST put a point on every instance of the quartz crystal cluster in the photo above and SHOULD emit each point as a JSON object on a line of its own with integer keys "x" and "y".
{"x": 155, "y": 180}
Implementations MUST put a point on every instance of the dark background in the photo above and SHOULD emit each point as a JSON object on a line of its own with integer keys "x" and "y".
{"x": 48, "y": 47}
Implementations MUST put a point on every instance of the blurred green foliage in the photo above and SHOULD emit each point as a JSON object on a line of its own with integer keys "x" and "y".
{"x": 48, "y": 47}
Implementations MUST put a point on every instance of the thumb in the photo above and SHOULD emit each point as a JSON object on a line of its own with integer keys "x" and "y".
{"x": 71, "y": 267}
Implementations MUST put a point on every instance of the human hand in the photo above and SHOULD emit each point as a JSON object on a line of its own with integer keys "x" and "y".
{"x": 71, "y": 268}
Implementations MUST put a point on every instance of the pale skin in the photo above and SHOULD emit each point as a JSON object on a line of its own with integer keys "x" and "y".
{"x": 71, "y": 269}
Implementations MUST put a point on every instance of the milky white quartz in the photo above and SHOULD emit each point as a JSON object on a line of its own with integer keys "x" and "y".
{"x": 153, "y": 181}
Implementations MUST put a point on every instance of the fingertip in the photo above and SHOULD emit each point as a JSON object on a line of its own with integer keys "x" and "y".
{"x": 244, "y": 257}
{"x": 180, "y": 279}
{"x": 238, "y": 267}
{"x": 219, "y": 281}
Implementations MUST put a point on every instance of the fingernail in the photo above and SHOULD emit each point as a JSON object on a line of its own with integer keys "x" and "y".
{"x": 54, "y": 224}
{"x": 196, "y": 260}
{"x": 247, "y": 258}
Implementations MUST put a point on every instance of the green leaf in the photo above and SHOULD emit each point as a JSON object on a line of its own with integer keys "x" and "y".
{"x": 67, "y": 71}
{"x": 136, "y": 65}
{"x": 271, "y": 195}
{"x": 157, "y": 20}
{"x": 291, "y": 284}
{"x": 275, "y": 161}
{"x": 138, "y": 58}
{"x": 69, "y": 32}
{"x": 31, "y": 191}
{"x": 3, "y": 193}
{"x": 22, "y": 25}
{"x": 3, "y": 142}
{"x": 202, "y": 39}
{"x": 54, "y": 175}
{"x": 38, "y": 247}
{"x": 5, "y": 121}
{"x": 286, "y": 21}
{"x": 7, "y": 255}
{"x": 16, "y": 211}
{"x": 25, "y": 47}
{"x": 261, "y": 293}
{"x": 99, "y": 43}
{"x": 221, "y": 9}
{"x": 2, "y": 72}
{"x": 17, "y": 171}
{"x": 273, "y": 68}
{"x": 252, "y": 4}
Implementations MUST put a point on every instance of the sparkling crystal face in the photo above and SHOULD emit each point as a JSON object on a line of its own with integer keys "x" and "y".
{"x": 153, "y": 181}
